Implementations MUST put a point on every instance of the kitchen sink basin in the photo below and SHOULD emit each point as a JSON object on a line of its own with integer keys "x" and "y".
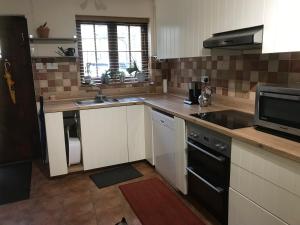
{"x": 105, "y": 100}
{"x": 97, "y": 101}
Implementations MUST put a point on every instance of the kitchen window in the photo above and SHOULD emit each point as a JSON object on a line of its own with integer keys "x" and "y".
{"x": 113, "y": 44}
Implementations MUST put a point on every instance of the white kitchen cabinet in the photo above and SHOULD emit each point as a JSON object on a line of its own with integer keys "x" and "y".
{"x": 275, "y": 199}
{"x": 149, "y": 135}
{"x": 136, "y": 132}
{"x": 56, "y": 144}
{"x": 178, "y": 32}
{"x": 281, "y": 20}
{"x": 104, "y": 137}
{"x": 236, "y": 14}
{"x": 167, "y": 28}
{"x": 267, "y": 180}
{"x": 242, "y": 211}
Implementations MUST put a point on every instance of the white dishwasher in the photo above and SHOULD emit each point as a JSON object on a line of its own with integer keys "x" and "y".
{"x": 164, "y": 145}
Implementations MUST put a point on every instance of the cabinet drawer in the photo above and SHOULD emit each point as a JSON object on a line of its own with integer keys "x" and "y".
{"x": 271, "y": 197}
{"x": 242, "y": 211}
{"x": 278, "y": 170}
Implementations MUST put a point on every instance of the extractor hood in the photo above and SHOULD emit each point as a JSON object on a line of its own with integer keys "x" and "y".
{"x": 242, "y": 39}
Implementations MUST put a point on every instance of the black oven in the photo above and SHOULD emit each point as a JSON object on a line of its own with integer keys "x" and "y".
{"x": 209, "y": 170}
{"x": 278, "y": 108}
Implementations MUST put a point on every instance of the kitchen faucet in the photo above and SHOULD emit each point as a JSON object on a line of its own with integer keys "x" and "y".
{"x": 99, "y": 95}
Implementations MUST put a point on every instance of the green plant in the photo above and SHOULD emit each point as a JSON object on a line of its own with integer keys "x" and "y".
{"x": 133, "y": 68}
{"x": 112, "y": 74}
{"x": 106, "y": 76}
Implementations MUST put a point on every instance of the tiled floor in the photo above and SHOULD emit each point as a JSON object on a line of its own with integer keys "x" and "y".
{"x": 73, "y": 200}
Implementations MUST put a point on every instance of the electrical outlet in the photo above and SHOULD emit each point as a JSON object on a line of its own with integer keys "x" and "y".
{"x": 204, "y": 79}
{"x": 52, "y": 66}
{"x": 39, "y": 66}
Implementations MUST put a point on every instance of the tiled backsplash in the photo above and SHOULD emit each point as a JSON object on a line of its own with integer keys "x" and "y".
{"x": 235, "y": 76}
{"x": 64, "y": 82}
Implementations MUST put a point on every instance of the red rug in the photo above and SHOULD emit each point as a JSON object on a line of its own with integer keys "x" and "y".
{"x": 155, "y": 204}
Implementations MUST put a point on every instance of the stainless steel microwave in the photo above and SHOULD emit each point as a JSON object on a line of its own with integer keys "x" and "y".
{"x": 278, "y": 108}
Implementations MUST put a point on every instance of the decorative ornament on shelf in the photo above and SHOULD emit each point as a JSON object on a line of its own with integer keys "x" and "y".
{"x": 43, "y": 31}
{"x": 99, "y": 5}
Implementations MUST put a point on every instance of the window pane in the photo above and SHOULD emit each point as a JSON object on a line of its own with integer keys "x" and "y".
{"x": 137, "y": 56}
{"x": 87, "y": 30}
{"x": 101, "y": 37}
{"x": 123, "y": 39}
{"x": 103, "y": 62}
{"x": 124, "y": 61}
{"x": 136, "y": 38}
{"x": 88, "y": 44}
{"x": 89, "y": 64}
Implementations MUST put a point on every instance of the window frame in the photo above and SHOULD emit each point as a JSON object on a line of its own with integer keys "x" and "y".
{"x": 112, "y": 23}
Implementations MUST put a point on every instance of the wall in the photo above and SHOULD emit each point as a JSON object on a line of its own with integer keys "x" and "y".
{"x": 235, "y": 75}
{"x": 60, "y": 15}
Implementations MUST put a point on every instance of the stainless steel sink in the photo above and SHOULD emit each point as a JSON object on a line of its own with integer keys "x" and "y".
{"x": 96, "y": 101}
{"x": 131, "y": 99}
{"x": 105, "y": 100}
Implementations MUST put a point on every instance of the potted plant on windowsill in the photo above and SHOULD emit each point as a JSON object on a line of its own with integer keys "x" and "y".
{"x": 133, "y": 70}
{"x": 105, "y": 78}
{"x": 122, "y": 76}
{"x": 112, "y": 74}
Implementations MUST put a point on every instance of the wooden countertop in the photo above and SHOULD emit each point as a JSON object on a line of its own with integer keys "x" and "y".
{"x": 175, "y": 106}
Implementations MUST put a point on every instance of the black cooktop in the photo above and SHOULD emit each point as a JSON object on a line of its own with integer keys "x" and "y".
{"x": 231, "y": 119}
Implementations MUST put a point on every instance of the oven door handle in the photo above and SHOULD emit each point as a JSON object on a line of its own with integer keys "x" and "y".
{"x": 217, "y": 189}
{"x": 218, "y": 158}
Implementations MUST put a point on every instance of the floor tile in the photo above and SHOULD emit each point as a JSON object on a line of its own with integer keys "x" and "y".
{"x": 76, "y": 200}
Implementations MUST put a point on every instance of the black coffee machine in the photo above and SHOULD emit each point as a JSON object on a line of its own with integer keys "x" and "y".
{"x": 194, "y": 92}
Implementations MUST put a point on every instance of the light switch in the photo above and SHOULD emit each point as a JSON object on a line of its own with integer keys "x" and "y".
{"x": 39, "y": 66}
{"x": 52, "y": 66}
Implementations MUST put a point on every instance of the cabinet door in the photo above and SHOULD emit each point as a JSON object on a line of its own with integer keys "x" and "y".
{"x": 281, "y": 20}
{"x": 244, "y": 212}
{"x": 178, "y": 32}
{"x": 236, "y": 14}
{"x": 168, "y": 28}
{"x": 278, "y": 201}
{"x": 149, "y": 135}
{"x": 104, "y": 137}
{"x": 56, "y": 144}
{"x": 136, "y": 132}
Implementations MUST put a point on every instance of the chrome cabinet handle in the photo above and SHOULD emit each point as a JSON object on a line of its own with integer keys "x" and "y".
{"x": 220, "y": 158}
{"x": 217, "y": 189}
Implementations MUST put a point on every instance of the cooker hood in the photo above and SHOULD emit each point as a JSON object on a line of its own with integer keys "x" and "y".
{"x": 242, "y": 39}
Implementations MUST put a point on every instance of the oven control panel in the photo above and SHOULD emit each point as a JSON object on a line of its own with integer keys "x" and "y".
{"x": 211, "y": 139}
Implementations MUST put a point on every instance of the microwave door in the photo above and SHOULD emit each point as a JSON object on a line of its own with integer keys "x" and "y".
{"x": 280, "y": 112}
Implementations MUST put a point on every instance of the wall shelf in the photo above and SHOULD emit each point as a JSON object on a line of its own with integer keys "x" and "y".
{"x": 52, "y": 40}
{"x": 46, "y": 59}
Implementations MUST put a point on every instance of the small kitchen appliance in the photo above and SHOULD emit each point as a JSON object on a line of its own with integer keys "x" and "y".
{"x": 204, "y": 99}
{"x": 278, "y": 108}
{"x": 194, "y": 93}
